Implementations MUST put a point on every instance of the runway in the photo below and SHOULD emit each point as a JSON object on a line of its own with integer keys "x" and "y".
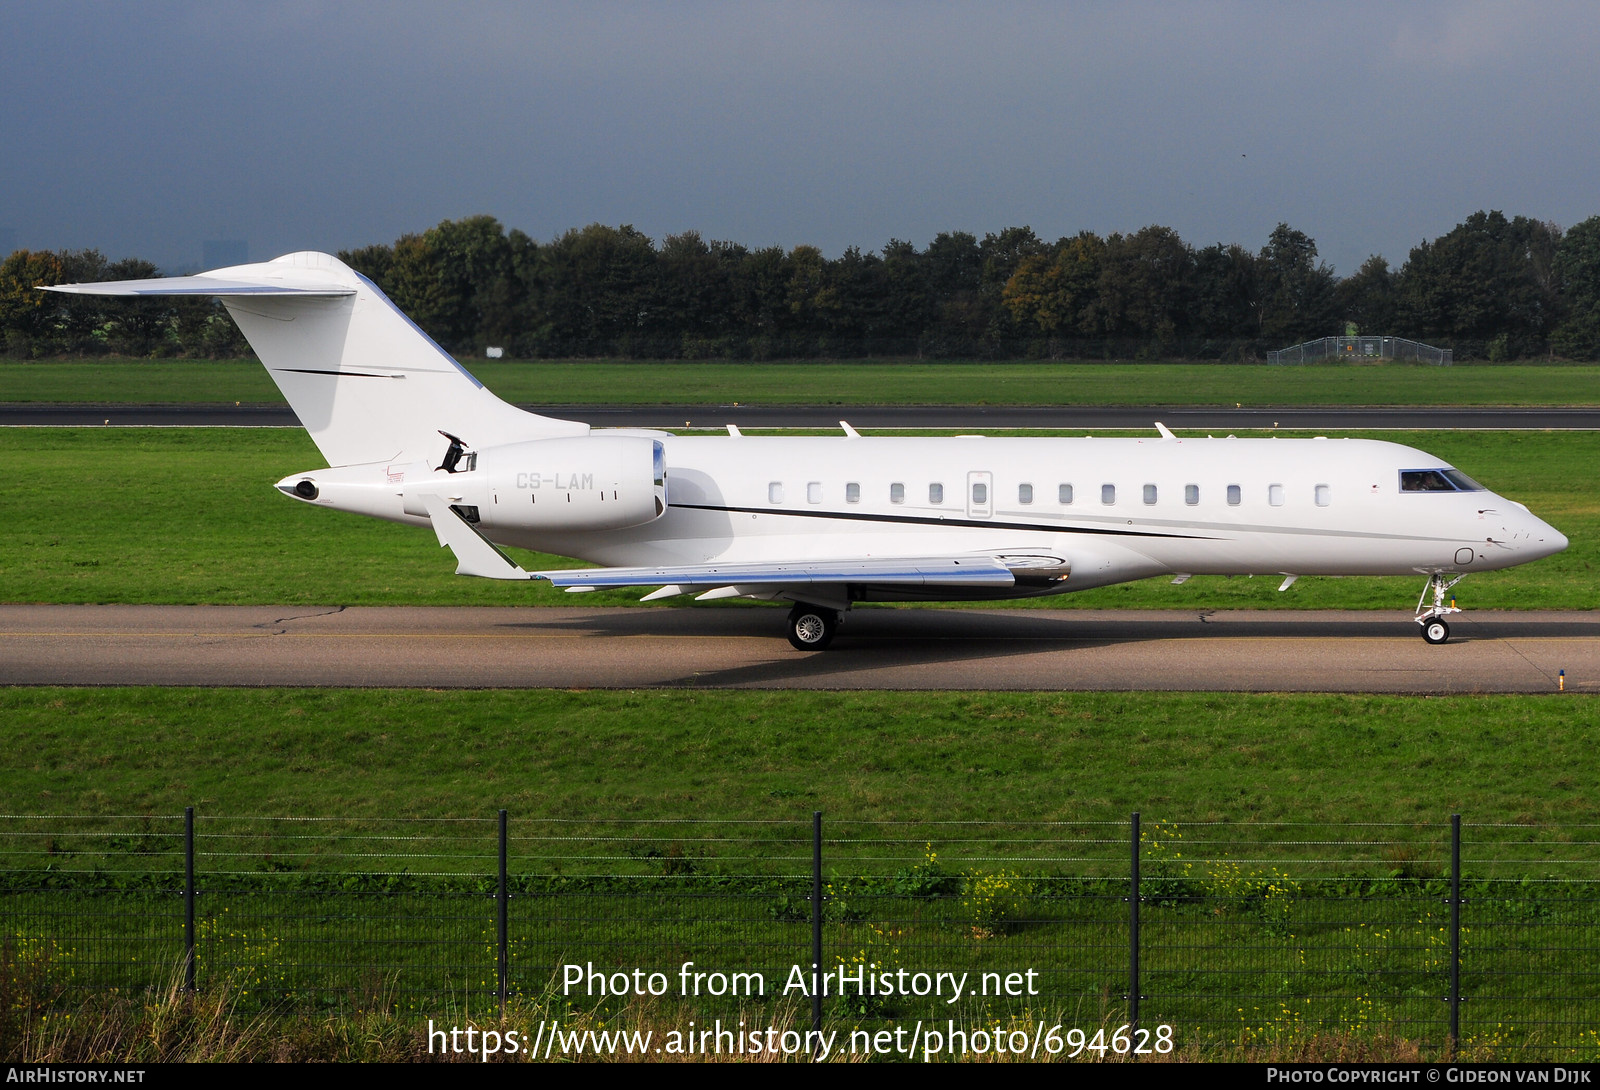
{"x": 882, "y": 417}
{"x": 744, "y": 648}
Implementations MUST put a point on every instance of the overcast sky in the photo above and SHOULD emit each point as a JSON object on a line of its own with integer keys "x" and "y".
{"x": 143, "y": 129}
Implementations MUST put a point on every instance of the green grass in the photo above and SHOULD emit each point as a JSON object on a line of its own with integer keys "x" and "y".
{"x": 189, "y": 515}
{"x": 860, "y": 382}
{"x": 1248, "y": 937}
{"x": 369, "y": 755}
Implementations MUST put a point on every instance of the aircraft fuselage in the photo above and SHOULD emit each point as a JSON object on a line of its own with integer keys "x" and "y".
{"x": 1111, "y": 509}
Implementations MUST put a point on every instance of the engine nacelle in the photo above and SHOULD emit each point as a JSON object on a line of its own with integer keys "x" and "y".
{"x": 592, "y": 482}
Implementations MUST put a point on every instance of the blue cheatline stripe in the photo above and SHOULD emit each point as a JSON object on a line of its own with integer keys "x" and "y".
{"x": 977, "y": 576}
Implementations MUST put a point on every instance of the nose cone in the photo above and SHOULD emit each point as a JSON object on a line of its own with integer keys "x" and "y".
{"x": 1545, "y": 540}
{"x": 1556, "y": 540}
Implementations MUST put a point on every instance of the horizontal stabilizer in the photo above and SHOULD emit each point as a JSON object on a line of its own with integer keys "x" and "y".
{"x": 966, "y": 571}
{"x": 199, "y": 285}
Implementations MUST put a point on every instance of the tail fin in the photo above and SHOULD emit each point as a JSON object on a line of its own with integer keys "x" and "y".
{"x": 365, "y": 381}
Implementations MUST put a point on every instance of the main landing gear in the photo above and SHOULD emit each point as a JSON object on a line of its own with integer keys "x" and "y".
{"x": 811, "y": 628}
{"x": 1431, "y": 618}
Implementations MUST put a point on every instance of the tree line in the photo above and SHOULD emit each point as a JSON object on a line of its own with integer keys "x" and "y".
{"x": 1491, "y": 288}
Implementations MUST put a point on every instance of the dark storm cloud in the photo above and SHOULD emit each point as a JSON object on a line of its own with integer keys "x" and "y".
{"x": 146, "y": 128}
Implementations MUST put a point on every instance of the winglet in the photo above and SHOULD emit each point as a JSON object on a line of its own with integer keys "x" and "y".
{"x": 475, "y": 554}
{"x": 1166, "y": 433}
{"x": 849, "y": 432}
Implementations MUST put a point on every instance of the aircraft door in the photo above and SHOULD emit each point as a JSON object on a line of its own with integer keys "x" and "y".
{"x": 980, "y": 494}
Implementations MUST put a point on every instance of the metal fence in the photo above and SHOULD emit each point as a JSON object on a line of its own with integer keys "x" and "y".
{"x": 1356, "y": 348}
{"x": 1233, "y": 932}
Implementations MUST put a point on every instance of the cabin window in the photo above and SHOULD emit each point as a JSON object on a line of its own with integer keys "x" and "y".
{"x": 1024, "y": 493}
{"x": 1275, "y": 495}
{"x": 1191, "y": 494}
{"x": 936, "y": 493}
{"x": 1064, "y": 493}
{"x": 1108, "y": 493}
{"x": 814, "y": 492}
{"x": 1149, "y": 494}
{"x": 775, "y": 492}
{"x": 980, "y": 494}
{"x": 852, "y": 493}
{"x": 1324, "y": 495}
{"x": 897, "y": 493}
{"x": 1234, "y": 495}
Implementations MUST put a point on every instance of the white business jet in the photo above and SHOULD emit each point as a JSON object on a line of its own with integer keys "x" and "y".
{"x": 826, "y": 522}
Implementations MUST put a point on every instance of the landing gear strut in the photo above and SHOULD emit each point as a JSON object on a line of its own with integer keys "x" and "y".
{"x": 1431, "y": 618}
{"x": 811, "y": 628}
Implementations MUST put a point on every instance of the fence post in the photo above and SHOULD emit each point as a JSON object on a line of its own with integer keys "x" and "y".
{"x": 502, "y": 899}
{"x": 1455, "y": 931}
{"x": 816, "y": 923}
{"x": 188, "y": 898}
{"x": 1133, "y": 931}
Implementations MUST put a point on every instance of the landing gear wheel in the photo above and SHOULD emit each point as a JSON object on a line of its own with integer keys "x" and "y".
{"x": 1431, "y": 618}
{"x": 811, "y": 628}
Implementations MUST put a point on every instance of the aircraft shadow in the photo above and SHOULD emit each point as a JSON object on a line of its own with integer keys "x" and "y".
{"x": 873, "y": 640}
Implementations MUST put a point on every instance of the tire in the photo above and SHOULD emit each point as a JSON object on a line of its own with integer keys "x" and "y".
{"x": 811, "y": 628}
{"x": 1435, "y": 631}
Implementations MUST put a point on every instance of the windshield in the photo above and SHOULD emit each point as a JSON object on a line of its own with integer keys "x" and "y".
{"x": 1437, "y": 480}
{"x": 1463, "y": 482}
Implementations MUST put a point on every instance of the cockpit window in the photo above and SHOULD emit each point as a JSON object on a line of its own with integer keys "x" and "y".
{"x": 1424, "y": 480}
{"x": 1437, "y": 480}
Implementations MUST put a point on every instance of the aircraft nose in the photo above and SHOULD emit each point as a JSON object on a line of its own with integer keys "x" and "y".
{"x": 1546, "y": 540}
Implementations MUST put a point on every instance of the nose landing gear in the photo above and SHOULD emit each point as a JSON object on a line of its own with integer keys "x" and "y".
{"x": 1431, "y": 618}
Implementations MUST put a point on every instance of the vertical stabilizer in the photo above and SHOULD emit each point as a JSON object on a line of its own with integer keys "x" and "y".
{"x": 366, "y": 382}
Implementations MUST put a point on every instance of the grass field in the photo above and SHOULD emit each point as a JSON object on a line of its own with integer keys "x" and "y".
{"x": 1236, "y": 955}
{"x": 1254, "y": 934}
{"x": 189, "y": 515}
{"x": 902, "y": 756}
{"x": 860, "y": 382}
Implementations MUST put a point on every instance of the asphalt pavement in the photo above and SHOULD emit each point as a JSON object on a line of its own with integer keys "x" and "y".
{"x": 739, "y": 647}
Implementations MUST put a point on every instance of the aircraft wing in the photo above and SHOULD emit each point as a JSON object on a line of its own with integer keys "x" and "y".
{"x": 476, "y": 555}
{"x": 927, "y": 571}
